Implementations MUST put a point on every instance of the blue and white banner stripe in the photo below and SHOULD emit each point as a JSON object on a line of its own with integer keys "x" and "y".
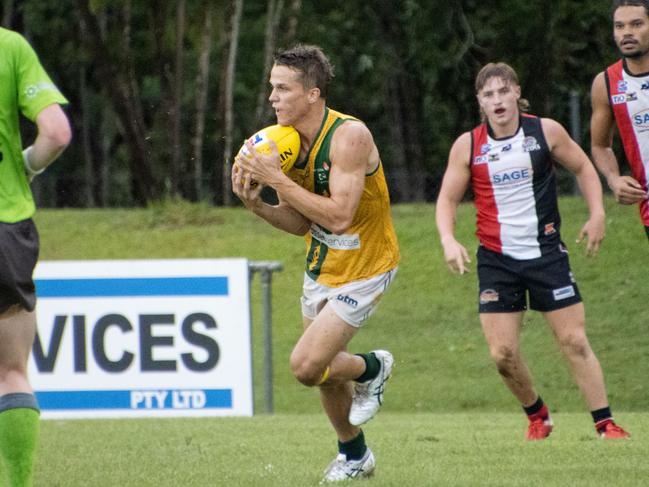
{"x": 129, "y": 287}
{"x": 150, "y": 286}
{"x": 177, "y": 399}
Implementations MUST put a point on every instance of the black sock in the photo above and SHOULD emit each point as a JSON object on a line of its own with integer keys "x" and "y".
{"x": 353, "y": 449}
{"x": 372, "y": 367}
{"x": 534, "y": 408}
{"x": 601, "y": 414}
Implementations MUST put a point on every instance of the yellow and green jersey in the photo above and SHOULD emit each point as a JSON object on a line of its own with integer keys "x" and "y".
{"x": 369, "y": 246}
{"x": 25, "y": 87}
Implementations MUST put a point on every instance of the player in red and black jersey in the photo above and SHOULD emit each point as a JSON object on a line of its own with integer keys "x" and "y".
{"x": 508, "y": 161}
{"x": 620, "y": 96}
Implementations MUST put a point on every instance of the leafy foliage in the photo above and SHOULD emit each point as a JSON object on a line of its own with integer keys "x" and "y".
{"x": 405, "y": 68}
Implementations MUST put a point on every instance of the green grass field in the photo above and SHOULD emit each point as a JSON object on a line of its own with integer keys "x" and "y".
{"x": 287, "y": 450}
{"x": 448, "y": 420}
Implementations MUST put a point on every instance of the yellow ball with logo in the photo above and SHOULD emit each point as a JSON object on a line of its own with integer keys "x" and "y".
{"x": 286, "y": 138}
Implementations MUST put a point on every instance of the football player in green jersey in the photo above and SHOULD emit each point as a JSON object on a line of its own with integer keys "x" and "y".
{"x": 25, "y": 89}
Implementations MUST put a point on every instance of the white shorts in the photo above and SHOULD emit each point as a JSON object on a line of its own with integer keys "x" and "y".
{"x": 353, "y": 302}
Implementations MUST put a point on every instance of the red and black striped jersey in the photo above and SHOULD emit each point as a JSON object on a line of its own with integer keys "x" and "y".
{"x": 629, "y": 99}
{"x": 514, "y": 185}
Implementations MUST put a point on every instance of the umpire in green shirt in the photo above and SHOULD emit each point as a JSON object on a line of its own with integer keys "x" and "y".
{"x": 25, "y": 88}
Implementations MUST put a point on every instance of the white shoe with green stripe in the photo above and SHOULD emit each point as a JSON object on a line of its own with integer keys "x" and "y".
{"x": 368, "y": 396}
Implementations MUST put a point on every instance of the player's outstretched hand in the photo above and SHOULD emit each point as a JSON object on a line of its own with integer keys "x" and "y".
{"x": 456, "y": 256}
{"x": 593, "y": 231}
{"x": 627, "y": 190}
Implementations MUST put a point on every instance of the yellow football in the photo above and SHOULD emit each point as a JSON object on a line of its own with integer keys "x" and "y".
{"x": 286, "y": 138}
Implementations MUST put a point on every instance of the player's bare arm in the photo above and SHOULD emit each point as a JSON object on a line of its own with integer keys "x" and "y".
{"x": 568, "y": 153}
{"x": 352, "y": 147}
{"x": 626, "y": 189}
{"x": 53, "y": 137}
{"x": 454, "y": 185}
{"x": 281, "y": 216}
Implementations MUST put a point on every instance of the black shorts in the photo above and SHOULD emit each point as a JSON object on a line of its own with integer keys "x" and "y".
{"x": 18, "y": 256}
{"x": 505, "y": 283}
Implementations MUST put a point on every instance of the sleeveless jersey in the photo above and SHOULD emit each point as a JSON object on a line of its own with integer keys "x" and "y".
{"x": 515, "y": 191}
{"x": 369, "y": 246}
{"x": 26, "y": 88}
{"x": 629, "y": 99}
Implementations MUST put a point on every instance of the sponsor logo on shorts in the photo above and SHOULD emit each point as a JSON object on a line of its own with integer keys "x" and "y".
{"x": 337, "y": 242}
{"x": 549, "y": 229}
{"x": 563, "y": 293}
{"x": 489, "y": 296}
{"x": 347, "y": 300}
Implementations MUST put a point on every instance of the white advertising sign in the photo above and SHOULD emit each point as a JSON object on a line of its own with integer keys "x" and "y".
{"x": 140, "y": 338}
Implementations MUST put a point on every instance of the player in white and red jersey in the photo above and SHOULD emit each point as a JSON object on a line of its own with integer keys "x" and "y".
{"x": 508, "y": 160}
{"x": 620, "y": 96}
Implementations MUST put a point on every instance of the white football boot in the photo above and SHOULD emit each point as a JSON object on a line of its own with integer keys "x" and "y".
{"x": 342, "y": 469}
{"x": 368, "y": 396}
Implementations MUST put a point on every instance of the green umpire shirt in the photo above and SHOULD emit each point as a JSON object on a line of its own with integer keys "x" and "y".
{"x": 25, "y": 87}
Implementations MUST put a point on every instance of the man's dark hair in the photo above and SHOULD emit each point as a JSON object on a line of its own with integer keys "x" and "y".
{"x": 630, "y": 3}
{"x": 314, "y": 66}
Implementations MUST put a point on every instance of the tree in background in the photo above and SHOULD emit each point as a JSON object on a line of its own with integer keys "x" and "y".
{"x": 228, "y": 96}
{"x": 201, "y": 83}
{"x": 163, "y": 93}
